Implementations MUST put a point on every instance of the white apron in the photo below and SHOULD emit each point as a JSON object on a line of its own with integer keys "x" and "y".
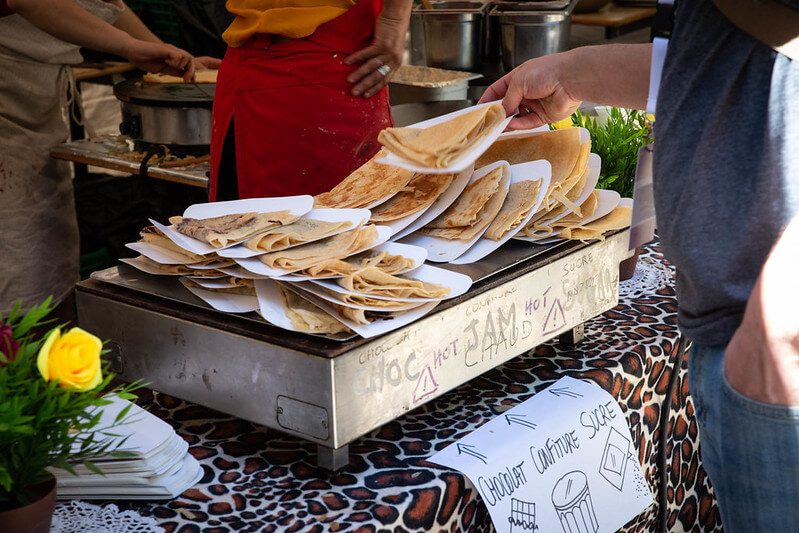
{"x": 39, "y": 240}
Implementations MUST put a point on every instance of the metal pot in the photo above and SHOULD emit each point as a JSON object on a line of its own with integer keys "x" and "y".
{"x": 172, "y": 114}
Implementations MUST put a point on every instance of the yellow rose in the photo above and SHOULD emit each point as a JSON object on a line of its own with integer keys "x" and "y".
{"x": 73, "y": 359}
{"x": 563, "y": 124}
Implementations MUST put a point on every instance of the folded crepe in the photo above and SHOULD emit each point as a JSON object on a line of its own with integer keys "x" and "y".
{"x": 474, "y": 209}
{"x": 375, "y": 282}
{"x": 522, "y": 197}
{"x": 306, "y": 316}
{"x": 155, "y": 237}
{"x": 560, "y": 147}
{"x": 299, "y": 232}
{"x": 419, "y": 194}
{"x": 619, "y": 218}
{"x": 366, "y": 301}
{"x": 313, "y": 253}
{"x": 388, "y": 263}
{"x": 146, "y": 264}
{"x": 369, "y": 183}
{"x": 440, "y": 145}
{"x": 573, "y": 220}
{"x": 361, "y": 316}
{"x": 247, "y": 289}
{"x": 228, "y": 229}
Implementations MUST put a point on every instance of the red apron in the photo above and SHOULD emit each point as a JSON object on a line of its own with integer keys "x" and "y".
{"x": 297, "y": 128}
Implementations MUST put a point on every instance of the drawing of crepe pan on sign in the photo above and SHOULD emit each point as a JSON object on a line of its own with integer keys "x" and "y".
{"x": 254, "y": 265}
{"x": 532, "y": 171}
{"x": 440, "y": 205}
{"x": 352, "y": 217}
{"x": 415, "y": 254}
{"x": 559, "y": 459}
{"x": 465, "y": 159}
{"x": 295, "y": 205}
{"x": 441, "y": 250}
{"x": 456, "y": 283}
{"x": 394, "y": 320}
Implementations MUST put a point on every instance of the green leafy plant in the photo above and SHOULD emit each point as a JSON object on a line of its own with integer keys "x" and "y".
{"x": 50, "y": 389}
{"x": 616, "y": 141}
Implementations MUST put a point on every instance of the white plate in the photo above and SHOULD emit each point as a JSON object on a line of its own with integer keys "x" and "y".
{"x": 414, "y": 253}
{"x": 442, "y": 250}
{"x": 354, "y": 216}
{"x": 228, "y": 303}
{"x": 378, "y": 327}
{"x": 297, "y": 205}
{"x": 158, "y": 254}
{"x": 240, "y": 272}
{"x": 456, "y": 283}
{"x": 533, "y": 170}
{"x": 271, "y": 307}
{"x": 466, "y": 159}
{"x": 213, "y": 283}
{"x": 319, "y": 291}
{"x": 254, "y": 265}
{"x": 444, "y": 200}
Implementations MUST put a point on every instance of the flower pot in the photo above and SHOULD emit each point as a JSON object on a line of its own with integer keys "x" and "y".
{"x": 627, "y": 267}
{"x": 36, "y": 516}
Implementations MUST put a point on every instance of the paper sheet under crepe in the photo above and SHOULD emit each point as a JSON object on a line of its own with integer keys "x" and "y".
{"x": 573, "y": 220}
{"x": 369, "y": 183}
{"x": 313, "y": 253}
{"x": 438, "y": 146}
{"x": 560, "y": 147}
{"x": 227, "y": 229}
{"x": 375, "y": 282}
{"x": 522, "y": 197}
{"x": 419, "y": 194}
{"x": 182, "y": 270}
{"x": 619, "y": 218}
{"x": 484, "y": 217}
{"x": 246, "y": 287}
{"x": 307, "y": 317}
{"x": 388, "y": 263}
{"x": 299, "y": 232}
{"x": 200, "y": 76}
{"x": 366, "y": 301}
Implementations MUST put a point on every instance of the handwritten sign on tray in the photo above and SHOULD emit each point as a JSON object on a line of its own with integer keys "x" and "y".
{"x": 563, "y": 460}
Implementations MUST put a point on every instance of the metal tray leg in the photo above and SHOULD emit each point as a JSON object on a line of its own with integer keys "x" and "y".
{"x": 333, "y": 459}
{"x": 574, "y": 336}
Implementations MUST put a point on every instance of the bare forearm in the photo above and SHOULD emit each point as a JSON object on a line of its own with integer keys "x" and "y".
{"x": 615, "y": 74}
{"x": 69, "y": 22}
{"x": 133, "y": 26}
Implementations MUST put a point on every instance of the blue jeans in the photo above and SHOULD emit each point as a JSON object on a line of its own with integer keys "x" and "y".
{"x": 749, "y": 449}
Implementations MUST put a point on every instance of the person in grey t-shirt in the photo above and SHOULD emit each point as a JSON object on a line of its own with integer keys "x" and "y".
{"x": 726, "y": 185}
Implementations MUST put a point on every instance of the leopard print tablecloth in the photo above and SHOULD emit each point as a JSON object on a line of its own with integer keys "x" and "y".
{"x": 257, "y": 479}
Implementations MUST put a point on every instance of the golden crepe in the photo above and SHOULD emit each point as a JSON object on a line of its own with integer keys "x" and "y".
{"x": 148, "y": 265}
{"x": 522, "y": 197}
{"x": 389, "y": 263}
{"x": 247, "y": 288}
{"x": 560, "y": 147}
{"x": 484, "y": 215}
{"x": 306, "y": 316}
{"x": 228, "y": 229}
{"x": 572, "y": 220}
{"x": 310, "y": 254}
{"x": 366, "y": 301}
{"x": 361, "y": 316}
{"x": 440, "y": 145}
{"x": 419, "y": 194}
{"x": 369, "y": 183}
{"x": 467, "y": 207}
{"x": 156, "y": 237}
{"x": 619, "y": 218}
{"x": 200, "y": 76}
{"x": 299, "y": 232}
{"x": 375, "y": 282}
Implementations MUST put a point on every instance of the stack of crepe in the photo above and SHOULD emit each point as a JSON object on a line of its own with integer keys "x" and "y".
{"x": 474, "y": 209}
{"x": 443, "y": 144}
{"x": 225, "y": 230}
{"x": 165, "y": 257}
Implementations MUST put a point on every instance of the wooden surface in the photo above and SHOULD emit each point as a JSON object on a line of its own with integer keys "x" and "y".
{"x": 613, "y": 16}
{"x": 98, "y": 70}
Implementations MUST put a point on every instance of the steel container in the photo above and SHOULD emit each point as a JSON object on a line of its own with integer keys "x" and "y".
{"x": 454, "y": 34}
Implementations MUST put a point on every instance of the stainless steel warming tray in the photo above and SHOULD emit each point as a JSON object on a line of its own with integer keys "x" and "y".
{"x": 331, "y": 392}
{"x": 166, "y": 113}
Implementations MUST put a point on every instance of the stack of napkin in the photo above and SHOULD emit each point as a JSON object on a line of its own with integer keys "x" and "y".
{"x": 159, "y": 467}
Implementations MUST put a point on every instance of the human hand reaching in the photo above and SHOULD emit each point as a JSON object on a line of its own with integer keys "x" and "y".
{"x": 160, "y": 58}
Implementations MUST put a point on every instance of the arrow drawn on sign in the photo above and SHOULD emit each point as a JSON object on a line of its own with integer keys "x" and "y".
{"x": 565, "y": 391}
{"x": 519, "y": 419}
{"x": 467, "y": 449}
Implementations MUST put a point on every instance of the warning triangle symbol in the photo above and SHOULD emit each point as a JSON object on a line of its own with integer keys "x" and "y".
{"x": 425, "y": 386}
{"x": 556, "y": 318}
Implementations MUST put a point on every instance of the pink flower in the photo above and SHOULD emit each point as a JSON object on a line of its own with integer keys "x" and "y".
{"x": 8, "y": 346}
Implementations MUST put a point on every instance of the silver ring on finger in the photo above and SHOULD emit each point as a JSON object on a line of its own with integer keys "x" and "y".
{"x": 383, "y": 70}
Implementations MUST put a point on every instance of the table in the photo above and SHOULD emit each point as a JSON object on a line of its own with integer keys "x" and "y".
{"x": 617, "y": 19}
{"x": 257, "y": 479}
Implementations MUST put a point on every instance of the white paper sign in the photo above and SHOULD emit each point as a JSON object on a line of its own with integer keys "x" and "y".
{"x": 562, "y": 461}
